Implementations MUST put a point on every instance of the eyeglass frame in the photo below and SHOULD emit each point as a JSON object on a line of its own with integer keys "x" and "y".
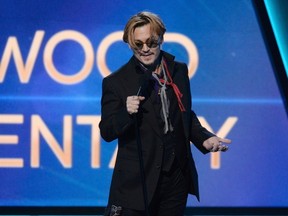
{"x": 153, "y": 44}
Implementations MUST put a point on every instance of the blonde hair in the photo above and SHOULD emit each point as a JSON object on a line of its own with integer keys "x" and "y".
{"x": 141, "y": 19}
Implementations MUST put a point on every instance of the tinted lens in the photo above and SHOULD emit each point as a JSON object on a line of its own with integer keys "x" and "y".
{"x": 149, "y": 43}
{"x": 139, "y": 45}
{"x": 152, "y": 44}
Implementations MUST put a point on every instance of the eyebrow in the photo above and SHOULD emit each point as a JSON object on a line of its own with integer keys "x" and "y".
{"x": 151, "y": 38}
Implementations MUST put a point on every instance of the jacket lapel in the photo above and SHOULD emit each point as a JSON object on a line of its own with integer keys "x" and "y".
{"x": 133, "y": 82}
{"x": 185, "y": 115}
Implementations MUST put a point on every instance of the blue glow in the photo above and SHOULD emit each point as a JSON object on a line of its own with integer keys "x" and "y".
{"x": 237, "y": 101}
{"x": 279, "y": 21}
{"x": 48, "y": 98}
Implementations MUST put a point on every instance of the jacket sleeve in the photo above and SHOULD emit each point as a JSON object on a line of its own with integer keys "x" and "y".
{"x": 114, "y": 116}
{"x": 198, "y": 134}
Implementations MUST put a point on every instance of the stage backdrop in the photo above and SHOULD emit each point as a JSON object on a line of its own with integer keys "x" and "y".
{"x": 54, "y": 55}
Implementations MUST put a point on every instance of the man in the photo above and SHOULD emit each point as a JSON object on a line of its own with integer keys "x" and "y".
{"x": 146, "y": 105}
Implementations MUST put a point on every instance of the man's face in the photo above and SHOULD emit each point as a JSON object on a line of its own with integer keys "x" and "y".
{"x": 148, "y": 48}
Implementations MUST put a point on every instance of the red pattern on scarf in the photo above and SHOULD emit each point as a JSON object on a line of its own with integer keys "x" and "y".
{"x": 174, "y": 86}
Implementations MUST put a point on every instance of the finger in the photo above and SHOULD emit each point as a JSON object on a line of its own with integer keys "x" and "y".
{"x": 132, "y": 110}
{"x": 129, "y": 110}
{"x": 224, "y": 140}
{"x": 130, "y": 107}
{"x": 141, "y": 98}
{"x": 132, "y": 98}
{"x": 223, "y": 148}
{"x": 129, "y": 100}
{"x": 134, "y": 103}
{"x": 218, "y": 147}
{"x": 214, "y": 148}
{"x": 136, "y": 99}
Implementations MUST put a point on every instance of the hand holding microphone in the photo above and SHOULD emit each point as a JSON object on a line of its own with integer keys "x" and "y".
{"x": 133, "y": 103}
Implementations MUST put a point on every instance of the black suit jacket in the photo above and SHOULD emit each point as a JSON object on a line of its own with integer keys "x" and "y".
{"x": 116, "y": 123}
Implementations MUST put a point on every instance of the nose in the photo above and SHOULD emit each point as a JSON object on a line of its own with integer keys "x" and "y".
{"x": 145, "y": 48}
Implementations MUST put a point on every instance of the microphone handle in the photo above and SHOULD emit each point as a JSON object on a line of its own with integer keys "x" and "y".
{"x": 139, "y": 91}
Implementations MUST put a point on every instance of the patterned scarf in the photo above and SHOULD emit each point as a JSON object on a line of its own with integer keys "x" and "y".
{"x": 163, "y": 82}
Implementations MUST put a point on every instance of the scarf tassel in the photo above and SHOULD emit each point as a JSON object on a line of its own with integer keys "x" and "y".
{"x": 175, "y": 88}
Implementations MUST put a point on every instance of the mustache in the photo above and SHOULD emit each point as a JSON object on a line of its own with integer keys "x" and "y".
{"x": 145, "y": 53}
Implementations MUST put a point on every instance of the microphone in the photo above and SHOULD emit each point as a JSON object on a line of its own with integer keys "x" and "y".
{"x": 143, "y": 82}
{"x": 139, "y": 91}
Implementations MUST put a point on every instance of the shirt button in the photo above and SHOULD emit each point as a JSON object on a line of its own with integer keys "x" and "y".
{"x": 158, "y": 166}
